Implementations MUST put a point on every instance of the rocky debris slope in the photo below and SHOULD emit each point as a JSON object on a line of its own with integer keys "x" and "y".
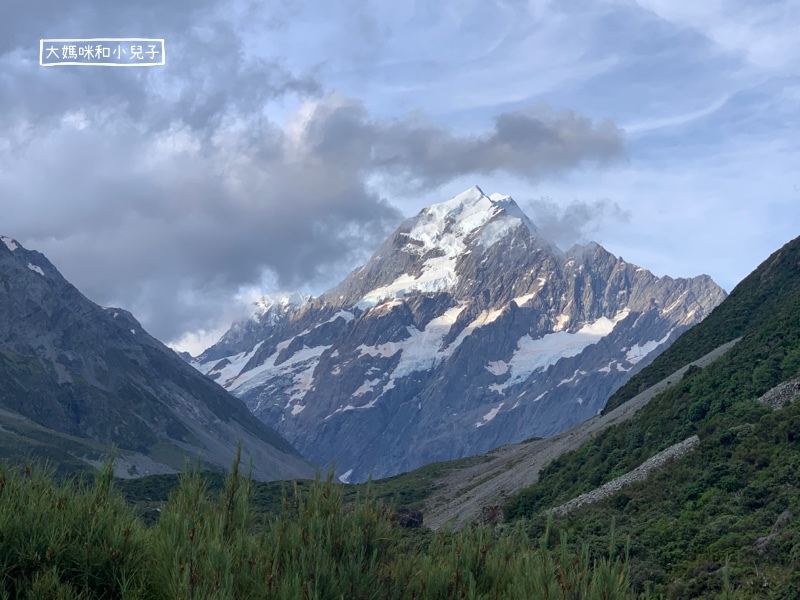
{"x": 761, "y": 544}
{"x": 638, "y": 474}
{"x": 465, "y": 331}
{"x": 462, "y": 494}
{"x": 783, "y": 394}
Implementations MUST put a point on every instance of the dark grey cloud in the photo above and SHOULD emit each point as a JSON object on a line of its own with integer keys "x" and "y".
{"x": 534, "y": 144}
{"x": 133, "y": 218}
{"x": 416, "y": 154}
{"x": 168, "y": 190}
{"x": 575, "y": 222}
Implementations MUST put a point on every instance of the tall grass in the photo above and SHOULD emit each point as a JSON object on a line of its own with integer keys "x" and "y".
{"x": 80, "y": 541}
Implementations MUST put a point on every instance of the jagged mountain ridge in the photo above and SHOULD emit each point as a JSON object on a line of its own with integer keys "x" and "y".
{"x": 94, "y": 373}
{"x": 466, "y": 330}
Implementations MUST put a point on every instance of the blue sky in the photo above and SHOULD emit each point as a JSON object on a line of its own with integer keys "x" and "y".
{"x": 250, "y": 159}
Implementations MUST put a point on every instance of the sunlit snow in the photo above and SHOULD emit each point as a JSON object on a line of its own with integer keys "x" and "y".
{"x": 444, "y": 228}
{"x": 35, "y": 269}
{"x": 523, "y": 300}
{"x": 9, "y": 243}
{"x": 561, "y": 322}
{"x": 282, "y": 299}
{"x": 342, "y": 314}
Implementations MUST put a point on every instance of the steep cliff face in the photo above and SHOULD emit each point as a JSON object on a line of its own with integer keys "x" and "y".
{"x": 466, "y": 330}
{"x": 91, "y": 372}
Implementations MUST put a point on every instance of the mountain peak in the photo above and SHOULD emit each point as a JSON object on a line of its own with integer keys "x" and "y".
{"x": 423, "y": 255}
{"x": 282, "y": 300}
{"x": 464, "y": 331}
{"x": 10, "y": 243}
{"x": 446, "y": 224}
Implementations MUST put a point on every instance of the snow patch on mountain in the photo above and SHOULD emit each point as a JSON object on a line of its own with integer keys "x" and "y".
{"x": 534, "y": 354}
{"x": 349, "y": 407}
{"x": 342, "y": 314}
{"x": 496, "y": 230}
{"x": 301, "y": 365}
{"x": 226, "y": 369}
{"x": 36, "y": 269}
{"x": 438, "y": 274}
{"x": 367, "y": 386}
{"x": 423, "y": 349}
{"x": 638, "y": 352}
{"x": 497, "y": 367}
{"x": 10, "y": 244}
{"x": 571, "y": 379}
{"x": 523, "y": 300}
{"x": 561, "y": 322}
{"x": 490, "y": 415}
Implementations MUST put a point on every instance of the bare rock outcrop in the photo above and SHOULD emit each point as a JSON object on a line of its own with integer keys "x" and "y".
{"x": 782, "y": 394}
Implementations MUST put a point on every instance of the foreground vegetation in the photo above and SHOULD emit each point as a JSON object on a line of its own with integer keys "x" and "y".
{"x": 75, "y": 539}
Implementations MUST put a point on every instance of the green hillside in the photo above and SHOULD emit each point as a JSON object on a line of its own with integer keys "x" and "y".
{"x": 749, "y": 307}
{"x": 714, "y": 504}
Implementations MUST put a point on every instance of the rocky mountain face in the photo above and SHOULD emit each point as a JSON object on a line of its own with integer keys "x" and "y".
{"x": 465, "y": 331}
{"x": 93, "y": 373}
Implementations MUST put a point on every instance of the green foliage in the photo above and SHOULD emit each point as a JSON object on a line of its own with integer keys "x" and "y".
{"x": 67, "y": 541}
{"x": 75, "y": 540}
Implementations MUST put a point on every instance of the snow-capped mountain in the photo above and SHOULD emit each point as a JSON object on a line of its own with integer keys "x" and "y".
{"x": 269, "y": 311}
{"x": 465, "y": 331}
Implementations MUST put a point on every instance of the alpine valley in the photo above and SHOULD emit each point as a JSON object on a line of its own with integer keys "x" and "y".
{"x": 466, "y": 330}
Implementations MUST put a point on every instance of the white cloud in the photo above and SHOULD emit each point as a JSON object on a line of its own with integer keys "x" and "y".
{"x": 765, "y": 33}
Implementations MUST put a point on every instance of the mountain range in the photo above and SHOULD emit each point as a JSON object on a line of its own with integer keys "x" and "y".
{"x": 466, "y": 330}
{"x": 692, "y": 471}
{"x": 78, "y": 379}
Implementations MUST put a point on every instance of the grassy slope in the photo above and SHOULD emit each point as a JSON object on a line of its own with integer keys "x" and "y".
{"x": 685, "y": 520}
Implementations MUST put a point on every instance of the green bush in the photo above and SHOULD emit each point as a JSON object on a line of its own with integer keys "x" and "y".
{"x": 75, "y": 540}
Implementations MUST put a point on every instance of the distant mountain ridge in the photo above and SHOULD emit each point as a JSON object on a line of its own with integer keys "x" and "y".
{"x": 466, "y": 330}
{"x": 93, "y": 373}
